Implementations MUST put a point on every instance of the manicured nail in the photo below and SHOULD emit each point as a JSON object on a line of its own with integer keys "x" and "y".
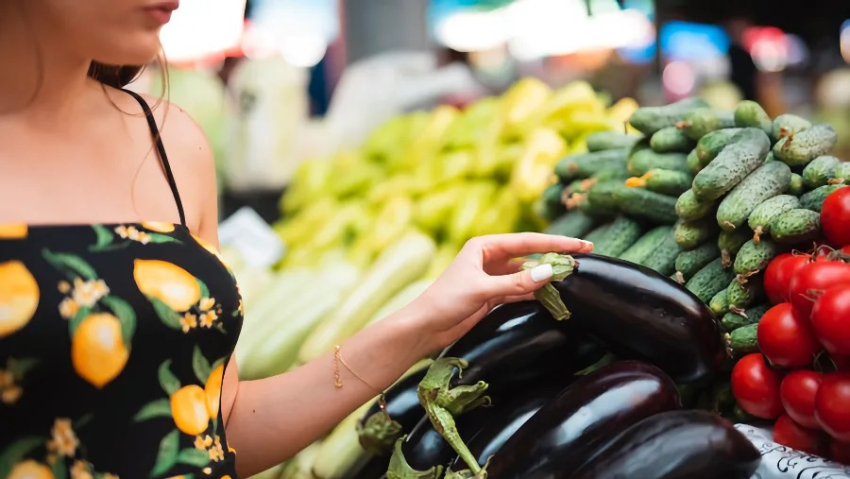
{"x": 541, "y": 272}
{"x": 586, "y": 243}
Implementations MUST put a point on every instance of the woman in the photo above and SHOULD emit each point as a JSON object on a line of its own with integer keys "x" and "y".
{"x": 117, "y": 319}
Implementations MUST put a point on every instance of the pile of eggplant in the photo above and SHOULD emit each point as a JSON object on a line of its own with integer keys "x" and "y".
{"x": 594, "y": 396}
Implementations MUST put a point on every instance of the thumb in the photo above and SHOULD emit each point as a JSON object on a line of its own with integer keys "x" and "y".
{"x": 523, "y": 282}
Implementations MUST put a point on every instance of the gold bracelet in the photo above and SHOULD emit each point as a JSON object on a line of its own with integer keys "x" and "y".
{"x": 338, "y": 379}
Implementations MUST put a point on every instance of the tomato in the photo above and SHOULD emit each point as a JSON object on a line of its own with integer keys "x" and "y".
{"x": 756, "y": 387}
{"x": 777, "y": 276}
{"x": 798, "y": 392}
{"x": 839, "y": 451}
{"x": 786, "y": 338}
{"x": 814, "y": 278}
{"x": 832, "y": 405}
{"x": 835, "y": 216}
{"x": 790, "y": 434}
{"x": 831, "y": 319}
{"x": 842, "y": 363}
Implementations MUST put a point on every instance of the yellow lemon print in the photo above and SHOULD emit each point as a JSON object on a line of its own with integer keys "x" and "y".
{"x": 209, "y": 247}
{"x": 212, "y": 390}
{"x": 98, "y": 351}
{"x": 168, "y": 283}
{"x": 158, "y": 226}
{"x": 30, "y": 469}
{"x": 19, "y": 296}
{"x": 189, "y": 410}
{"x": 13, "y": 231}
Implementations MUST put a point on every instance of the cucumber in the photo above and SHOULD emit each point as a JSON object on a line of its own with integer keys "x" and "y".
{"x": 751, "y": 114}
{"x": 795, "y": 226}
{"x": 795, "y": 187}
{"x": 671, "y": 140}
{"x": 609, "y": 140}
{"x": 744, "y": 153}
{"x": 645, "y": 160}
{"x": 770, "y": 157}
{"x": 586, "y": 165}
{"x": 710, "y": 280}
{"x": 719, "y": 304}
{"x": 760, "y": 218}
{"x": 693, "y": 162}
{"x": 650, "y": 119}
{"x": 814, "y": 199}
{"x": 598, "y": 234}
{"x": 622, "y": 234}
{"x": 646, "y": 245}
{"x": 705, "y": 120}
{"x": 574, "y": 224}
{"x": 744, "y": 340}
{"x": 615, "y": 173}
{"x": 666, "y": 182}
{"x": 601, "y": 195}
{"x": 689, "y": 262}
{"x": 550, "y": 206}
{"x": 769, "y": 180}
{"x": 709, "y": 146}
{"x": 663, "y": 259}
{"x": 788, "y": 124}
{"x": 739, "y": 318}
{"x": 689, "y": 208}
{"x": 649, "y": 205}
{"x": 819, "y": 171}
{"x": 801, "y": 148}
{"x": 690, "y": 234}
{"x": 754, "y": 257}
{"x": 742, "y": 292}
{"x": 585, "y": 205}
{"x": 730, "y": 242}
{"x": 841, "y": 175}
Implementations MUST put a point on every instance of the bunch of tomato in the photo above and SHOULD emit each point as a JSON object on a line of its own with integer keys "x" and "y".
{"x": 801, "y": 377}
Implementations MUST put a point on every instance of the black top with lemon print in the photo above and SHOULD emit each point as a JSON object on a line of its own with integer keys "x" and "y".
{"x": 113, "y": 344}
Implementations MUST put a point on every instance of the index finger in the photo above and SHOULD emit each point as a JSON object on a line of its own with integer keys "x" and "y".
{"x": 513, "y": 245}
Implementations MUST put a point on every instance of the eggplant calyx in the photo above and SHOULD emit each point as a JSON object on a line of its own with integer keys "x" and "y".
{"x": 444, "y": 423}
{"x": 562, "y": 266}
{"x": 435, "y": 388}
{"x": 400, "y": 469}
{"x": 378, "y": 433}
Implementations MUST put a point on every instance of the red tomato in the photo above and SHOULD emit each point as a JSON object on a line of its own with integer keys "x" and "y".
{"x": 777, "y": 276}
{"x": 814, "y": 278}
{"x": 756, "y": 387}
{"x": 831, "y": 319}
{"x": 842, "y": 363}
{"x": 790, "y": 434}
{"x": 832, "y": 405}
{"x": 798, "y": 392}
{"x": 839, "y": 451}
{"x": 786, "y": 338}
{"x": 835, "y": 216}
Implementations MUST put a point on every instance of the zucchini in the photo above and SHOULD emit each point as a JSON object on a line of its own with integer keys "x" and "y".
{"x": 586, "y": 165}
{"x": 622, "y": 233}
{"x": 693, "y": 162}
{"x": 689, "y": 262}
{"x": 814, "y": 199}
{"x": 644, "y": 160}
{"x": 760, "y": 218}
{"x": 795, "y": 187}
{"x": 742, "y": 292}
{"x": 710, "y": 145}
{"x": 744, "y": 340}
{"x": 705, "y": 120}
{"x": 819, "y": 171}
{"x": 754, "y": 257}
{"x": 795, "y": 226}
{"x": 769, "y": 180}
{"x": 739, "y": 318}
{"x": 649, "y": 205}
{"x": 671, "y": 140}
{"x": 801, "y": 148}
{"x": 841, "y": 174}
{"x": 690, "y": 234}
{"x": 663, "y": 259}
{"x": 574, "y": 224}
{"x": 666, "y": 182}
{"x": 730, "y": 242}
{"x": 710, "y": 280}
{"x": 598, "y": 234}
{"x": 689, "y": 208}
{"x": 745, "y": 152}
{"x": 646, "y": 245}
{"x": 649, "y": 119}
{"x": 751, "y": 114}
{"x": 719, "y": 304}
{"x": 788, "y": 124}
{"x": 609, "y": 140}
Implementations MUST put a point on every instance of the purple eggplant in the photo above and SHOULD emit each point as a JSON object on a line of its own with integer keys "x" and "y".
{"x": 675, "y": 445}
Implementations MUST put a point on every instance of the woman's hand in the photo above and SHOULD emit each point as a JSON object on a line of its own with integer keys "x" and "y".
{"x": 485, "y": 273}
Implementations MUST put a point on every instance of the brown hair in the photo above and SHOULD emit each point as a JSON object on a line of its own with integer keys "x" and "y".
{"x": 116, "y": 76}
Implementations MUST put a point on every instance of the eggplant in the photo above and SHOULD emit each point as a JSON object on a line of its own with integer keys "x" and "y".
{"x": 378, "y": 430}
{"x": 640, "y": 314}
{"x": 583, "y": 418}
{"x": 676, "y": 445}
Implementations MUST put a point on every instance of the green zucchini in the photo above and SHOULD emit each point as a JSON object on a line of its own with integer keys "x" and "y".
{"x": 719, "y": 304}
{"x": 841, "y": 174}
{"x": 649, "y": 119}
{"x": 754, "y": 257}
{"x": 693, "y": 162}
{"x": 814, "y": 199}
{"x": 801, "y": 148}
{"x": 649, "y": 205}
{"x": 689, "y": 262}
{"x": 769, "y": 180}
{"x": 795, "y": 187}
{"x": 751, "y": 114}
{"x": 586, "y": 165}
{"x": 666, "y": 182}
{"x": 622, "y": 234}
{"x": 574, "y": 224}
{"x": 744, "y": 153}
{"x": 742, "y": 292}
{"x": 644, "y": 160}
{"x": 739, "y": 318}
{"x": 689, "y": 208}
{"x": 760, "y": 218}
{"x": 609, "y": 140}
{"x": 663, "y": 259}
{"x": 705, "y": 120}
{"x": 690, "y": 234}
{"x": 819, "y": 171}
{"x": 671, "y": 140}
{"x": 730, "y": 242}
{"x": 744, "y": 340}
{"x": 795, "y": 226}
{"x": 598, "y": 234}
{"x": 710, "y": 280}
{"x": 710, "y": 145}
{"x": 646, "y": 245}
{"x": 788, "y": 124}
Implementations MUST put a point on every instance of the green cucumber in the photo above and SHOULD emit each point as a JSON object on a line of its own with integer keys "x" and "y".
{"x": 795, "y": 187}
{"x": 690, "y": 234}
{"x": 709, "y": 146}
{"x": 598, "y": 234}
{"x": 644, "y": 160}
{"x": 649, "y": 119}
{"x": 609, "y": 140}
{"x": 801, "y": 148}
{"x": 615, "y": 173}
{"x": 710, "y": 280}
{"x": 586, "y": 165}
{"x": 689, "y": 208}
{"x": 760, "y": 218}
{"x": 622, "y": 234}
{"x": 666, "y": 182}
{"x": 754, "y": 257}
{"x": 730, "y": 242}
{"x": 744, "y": 340}
{"x": 795, "y": 226}
{"x": 819, "y": 171}
{"x": 671, "y": 140}
{"x": 705, "y": 120}
{"x": 646, "y": 245}
{"x": 693, "y": 162}
{"x": 814, "y": 199}
{"x": 744, "y": 153}
{"x": 769, "y": 180}
{"x": 788, "y": 124}
{"x": 663, "y": 259}
{"x": 841, "y": 174}
{"x": 740, "y": 318}
{"x": 601, "y": 195}
{"x": 649, "y": 205}
{"x": 719, "y": 304}
{"x": 742, "y": 292}
{"x": 770, "y": 157}
{"x": 751, "y": 114}
{"x": 689, "y": 262}
{"x": 574, "y": 224}
{"x": 550, "y": 206}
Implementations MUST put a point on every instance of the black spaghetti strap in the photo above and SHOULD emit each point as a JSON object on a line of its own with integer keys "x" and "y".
{"x": 160, "y": 148}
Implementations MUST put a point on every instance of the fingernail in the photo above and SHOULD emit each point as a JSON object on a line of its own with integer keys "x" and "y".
{"x": 541, "y": 272}
{"x": 586, "y": 243}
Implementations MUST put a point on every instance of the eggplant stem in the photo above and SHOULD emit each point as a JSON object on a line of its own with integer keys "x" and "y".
{"x": 562, "y": 266}
{"x": 606, "y": 360}
{"x": 444, "y": 422}
{"x": 435, "y": 388}
{"x": 400, "y": 469}
{"x": 378, "y": 433}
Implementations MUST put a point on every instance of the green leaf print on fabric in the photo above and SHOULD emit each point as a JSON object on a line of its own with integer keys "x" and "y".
{"x": 168, "y": 316}
{"x": 167, "y": 455}
{"x": 82, "y": 421}
{"x": 193, "y": 457}
{"x": 17, "y": 451}
{"x": 218, "y": 363}
{"x": 200, "y": 365}
{"x": 157, "y": 408}
{"x": 125, "y": 314}
{"x": 104, "y": 238}
{"x": 161, "y": 238}
{"x": 205, "y": 292}
{"x": 167, "y": 380}
{"x": 60, "y": 469}
{"x": 70, "y": 263}
{"x": 78, "y": 318}
{"x": 19, "y": 367}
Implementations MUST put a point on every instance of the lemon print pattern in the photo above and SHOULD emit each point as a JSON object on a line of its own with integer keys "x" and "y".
{"x": 13, "y": 231}
{"x": 167, "y": 283}
{"x": 98, "y": 351}
{"x": 19, "y": 297}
